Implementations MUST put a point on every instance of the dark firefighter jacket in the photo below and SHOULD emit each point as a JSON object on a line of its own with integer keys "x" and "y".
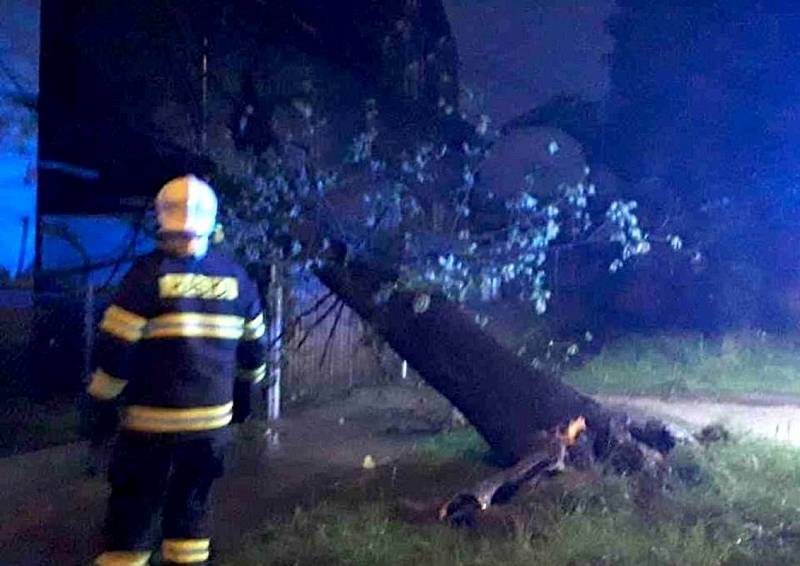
{"x": 178, "y": 336}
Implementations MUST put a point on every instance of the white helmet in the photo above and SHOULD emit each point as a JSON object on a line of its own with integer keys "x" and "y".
{"x": 187, "y": 205}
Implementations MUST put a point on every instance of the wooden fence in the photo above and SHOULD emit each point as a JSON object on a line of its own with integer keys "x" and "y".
{"x": 320, "y": 358}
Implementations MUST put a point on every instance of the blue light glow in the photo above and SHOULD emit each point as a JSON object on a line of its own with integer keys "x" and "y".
{"x": 101, "y": 238}
{"x": 19, "y": 88}
{"x": 17, "y": 202}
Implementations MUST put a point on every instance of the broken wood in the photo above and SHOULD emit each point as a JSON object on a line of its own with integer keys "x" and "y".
{"x": 547, "y": 456}
{"x": 552, "y": 453}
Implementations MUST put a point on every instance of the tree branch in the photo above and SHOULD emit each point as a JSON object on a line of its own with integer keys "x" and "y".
{"x": 300, "y": 317}
{"x": 317, "y": 322}
{"x": 331, "y": 333}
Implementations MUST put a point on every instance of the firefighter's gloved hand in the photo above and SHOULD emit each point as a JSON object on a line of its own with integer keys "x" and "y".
{"x": 242, "y": 403}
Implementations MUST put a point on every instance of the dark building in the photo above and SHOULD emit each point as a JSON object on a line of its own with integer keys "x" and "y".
{"x": 94, "y": 154}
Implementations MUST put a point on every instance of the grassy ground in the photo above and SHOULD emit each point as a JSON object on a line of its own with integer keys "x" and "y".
{"x": 736, "y": 503}
{"x": 731, "y": 504}
{"x": 737, "y": 364}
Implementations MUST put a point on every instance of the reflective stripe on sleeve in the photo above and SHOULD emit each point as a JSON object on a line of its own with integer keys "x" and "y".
{"x": 185, "y": 551}
{"x": 168, "y": 419}
{"x": 104, "y": 386}
{"x": 123, "y": 324}
{"x": 255, "y": 328}
{"x": 253, "y": 375}
{"x": 123, "y": 558}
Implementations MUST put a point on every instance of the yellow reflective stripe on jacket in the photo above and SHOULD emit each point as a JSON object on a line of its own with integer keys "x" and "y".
{"x": 255, "y": 328}
{"x": 253, "y": 375}
{"x": 167, "y": 419}
{"x": 185, "y": 551}
{"x": 123, "y": 558}
{"x": 195, "y": 325}
{"x": 105, "y": 386}
{"x": 122, "y": 323}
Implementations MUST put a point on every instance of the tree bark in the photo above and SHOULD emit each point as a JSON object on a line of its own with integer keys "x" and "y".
{"x": 507, "y": 401}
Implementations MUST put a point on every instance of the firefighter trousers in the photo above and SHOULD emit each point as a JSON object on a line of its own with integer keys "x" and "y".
{"x": 166, "y": 476}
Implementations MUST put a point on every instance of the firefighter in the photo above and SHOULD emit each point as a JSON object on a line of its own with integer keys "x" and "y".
{"x": 183, "y": 338}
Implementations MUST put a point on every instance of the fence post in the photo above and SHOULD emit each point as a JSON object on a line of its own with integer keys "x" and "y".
{"x": 275, "y": 331}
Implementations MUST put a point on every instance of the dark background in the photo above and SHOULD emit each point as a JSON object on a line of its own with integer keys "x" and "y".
{"x": 699, "y": 121}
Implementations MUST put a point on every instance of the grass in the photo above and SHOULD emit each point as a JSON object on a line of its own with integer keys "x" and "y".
{"x": 464, "y": 443}
{"x": 739, "y": 364}
{"x": 735, "y": 503}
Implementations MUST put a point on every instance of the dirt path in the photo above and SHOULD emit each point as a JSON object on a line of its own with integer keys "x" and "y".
{"x": 773, "y": 420}
{"x": 51, "y": 513}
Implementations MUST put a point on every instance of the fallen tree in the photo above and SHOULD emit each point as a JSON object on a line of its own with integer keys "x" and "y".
{"x": 504, "y": 399}
{"x": 509, "y": 402}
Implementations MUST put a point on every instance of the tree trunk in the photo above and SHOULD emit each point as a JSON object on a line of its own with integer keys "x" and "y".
{"x": 507, "y": 401}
